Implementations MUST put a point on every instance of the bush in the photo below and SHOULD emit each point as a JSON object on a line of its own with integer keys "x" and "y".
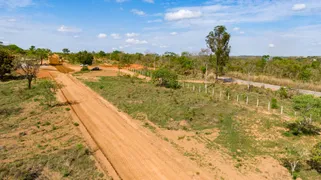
{"x": 6, "y": 62}
{"x": 303, "y": 128}
{"x": 274, "y": 103}
{"x": 84, "y": 57}
{"x": 84, "y": 68}
{"x": 166, "y": 78}
{"x": 315, "y": 161}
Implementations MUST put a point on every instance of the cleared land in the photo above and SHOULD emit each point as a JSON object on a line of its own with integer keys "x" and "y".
{"x": 233, "y": 140}
{"x": 133, "y": 151}
{"x": 38, "y": 141}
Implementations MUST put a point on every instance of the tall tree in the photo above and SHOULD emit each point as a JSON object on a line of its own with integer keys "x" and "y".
{"x": 65, "y": 50}
{"x": 42, "y": 53}
{"x": 32, "y": 50}
{"x": 218, "y": 41}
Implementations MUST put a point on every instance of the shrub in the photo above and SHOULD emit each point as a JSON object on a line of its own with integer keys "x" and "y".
{"x": 85, "y": 68}
{"x": 274, "y": 103}
{"x": 303, "y": 128}
{"x": 84, "y": 57}
{"x": 283, "y": 93}
{"x": 6, "y": 62}
{"x": 166, "y": 78}
{"x": 315, "y": 161}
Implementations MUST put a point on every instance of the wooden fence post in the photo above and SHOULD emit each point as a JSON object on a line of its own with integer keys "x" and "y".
{"x": 257, "y": 102}
{"x": 193, "y": 87}
{"x": 269, "y": 106}
{"x": 247, "y": 100}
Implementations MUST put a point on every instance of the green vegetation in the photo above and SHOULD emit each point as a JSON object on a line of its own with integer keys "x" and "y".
{"x": 38, "y": 141}
{"x": 166, "y": 78}
{"x": 6, "y": 62}
{"x": 218, "y": 41}
{"x": 244, "y": 130}
{"x": 315, "y": 161}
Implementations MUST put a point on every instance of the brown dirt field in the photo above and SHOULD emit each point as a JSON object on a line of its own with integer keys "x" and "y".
{"x": 131, "y": 66}
{"x": 63, "y": 69}
{"x": 133, "y": 151}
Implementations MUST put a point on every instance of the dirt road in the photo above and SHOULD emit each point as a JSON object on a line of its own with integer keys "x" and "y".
{"x": 133, "y": 151}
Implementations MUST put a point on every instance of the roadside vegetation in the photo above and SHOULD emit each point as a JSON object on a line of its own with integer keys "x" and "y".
{"x": 39, "y": 140}
{"x": 245, "y": 131}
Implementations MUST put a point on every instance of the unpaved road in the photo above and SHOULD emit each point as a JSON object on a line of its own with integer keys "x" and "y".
{"x": 133, "y": 151}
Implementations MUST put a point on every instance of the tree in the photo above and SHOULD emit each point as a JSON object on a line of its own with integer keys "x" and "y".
{"x": 218, "y": 41}
{"x": 32, "y": 50}
{"x": 65, "y": 50}
{"x": 42, "y": 54}
{"x": 166, "y": 78}
{"x": 6, "y": 62}
{"x": 84, "y": 57}
{"x": 30, "y": 68}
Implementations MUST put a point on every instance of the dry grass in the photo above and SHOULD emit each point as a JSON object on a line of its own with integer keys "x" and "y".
{"x": 277, "y": 81}
{"x": 40, "y": 141}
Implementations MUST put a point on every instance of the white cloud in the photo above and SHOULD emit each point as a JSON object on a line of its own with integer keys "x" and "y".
{"x": 298, "y": 7}
{"x": 138, "y": 12}
{"x": 115, "y": 36}
{"x": 12, "y": 20}
{"x": 121, "y": 1}
{"x": 66, "y": 29}
{"x": 242, "y": 32}
{"x": 102, "y": 36}
{"x": 132, "y": 34}
{"x": 182, "y": 14}
{"x": 149, "y": 1}
{"x": 173, "y": 33}
{"x": 271, "y": 45}
{"x": 76, "y": 36}
{"x": 135, "y": 41}
{"x": 157, "y": 14}
{"x": 163, "y": 46}
{"x": 15, "y": 3}
{"x": 236, "y": 29}
{"x": 155, "y": 21}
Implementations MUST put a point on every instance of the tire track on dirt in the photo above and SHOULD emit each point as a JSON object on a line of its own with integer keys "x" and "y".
{"x": 134, "y": 152}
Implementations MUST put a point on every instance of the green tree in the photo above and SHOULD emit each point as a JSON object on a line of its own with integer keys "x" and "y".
{"x": 6, "y": 62}
{"x": 65, "y": 50}
{"x": 32, "y": 50}
{"x": 85, "y": 57}
{"x": 166, "y": 78}
{"x": 42, "y": 53}
{"x": 15, "y": 49}
{"x": 218, "y": 41}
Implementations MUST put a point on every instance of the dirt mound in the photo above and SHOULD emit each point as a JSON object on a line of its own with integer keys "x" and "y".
{"x": 63, "y": 69}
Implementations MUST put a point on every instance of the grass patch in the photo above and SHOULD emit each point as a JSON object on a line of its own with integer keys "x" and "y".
{"x": 33, "y": 147}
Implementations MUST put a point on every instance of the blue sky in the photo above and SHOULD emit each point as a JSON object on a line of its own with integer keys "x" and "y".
{"x": 257, "y": 27}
